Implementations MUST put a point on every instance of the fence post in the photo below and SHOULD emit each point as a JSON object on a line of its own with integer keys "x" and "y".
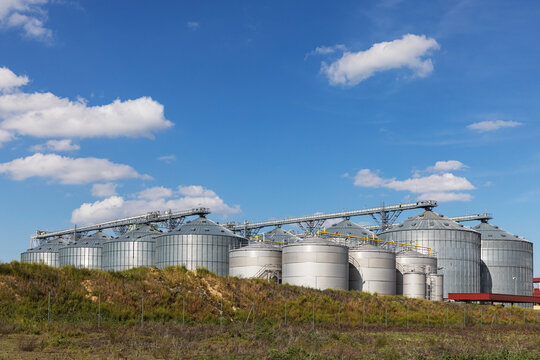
{"x": 385, "y": 316}
{"x": 313, "y": 318}
{"x": 285, "y": 313}
{"x": 364, "y": 317}
{"x": 407, "y": 316}
{"x": 339, "y": 315}
{"x": 536, "y": 318}
{"x": 253, "y": 319}
{"x": 99, "y": 311}
{"x": 183, "y": 309}
{"x": 49, "y": 307}
{"x": 464, "y": 314}
{"x": 494, "y": 319}
{"x": 142, "y": 310}
{"x": 221, "y": 314}
{"x": 510, "y": 322}
{"x": 446, "y": 315}
{"x": 524, "y": 319}
{"x": 481, "y": 316}
{"x": 428, "y": 316}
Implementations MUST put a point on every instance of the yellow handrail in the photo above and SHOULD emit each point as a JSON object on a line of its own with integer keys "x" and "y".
{"x": 373, "y": 239}
{"x": 257, "y": 239}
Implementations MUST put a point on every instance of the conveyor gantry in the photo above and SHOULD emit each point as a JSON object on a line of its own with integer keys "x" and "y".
{"x": 459, "y": 219}
{"x": 312, "y": 222}
{"x": 151, "y": 217}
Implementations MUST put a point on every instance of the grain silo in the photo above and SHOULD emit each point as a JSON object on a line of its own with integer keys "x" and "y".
{"x": 413, "y": 261}
{"x": 507, "y": 266}
{"x": 278, "y": 235}
{"x": 372, "y": 269}
{"x": 457, "y": 248}
{"x": 414, "y": 285}
{"x": 257, "y": 260}
{"x": 133, "y": 249}
{"x": 86, "y": 252}
{"x": 45, "y": 253}
{"x": 197, "y": 243}
{"x": 347, "y": 227}
{"x": 316, "y": 263}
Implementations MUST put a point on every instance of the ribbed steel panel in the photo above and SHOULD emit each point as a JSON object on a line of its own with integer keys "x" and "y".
{"x": 504, "y": 257}
{"x": 414, "y": 285}
{"x": 279, "y": 236}
{"x": 316, "y": 263}
{"x": 372, "y": 269}
{"x": 347, "y": 227}
{"x": 457, "y": 248}
{"x": 84, "y": 253}
{"x": 45, "y": 253}
{"x": 436, "y": 287}
{"x": 257, "y": 260}
{"x": 199, "y": 243}
{"x": 413, "y": 261}
{"x": 134, "y": 249}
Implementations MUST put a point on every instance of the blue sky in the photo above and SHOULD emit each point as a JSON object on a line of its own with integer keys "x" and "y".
{"x": 266, "y": 109}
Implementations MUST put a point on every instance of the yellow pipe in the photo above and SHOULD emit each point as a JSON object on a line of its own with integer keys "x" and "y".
{"x": 257, "y": 239}
{"x": 373, "y": 239}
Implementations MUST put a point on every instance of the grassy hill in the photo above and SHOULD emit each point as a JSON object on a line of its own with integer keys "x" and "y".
{"x": 75, "y": 295}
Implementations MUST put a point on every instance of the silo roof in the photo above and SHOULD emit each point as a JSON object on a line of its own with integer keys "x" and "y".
{"x": 279, "y": 235}
{"x": 52, "y": 245}
{"x": 492, "y": 232}
{"x": 369, "y": 247}
{"x": 311, "y": 240}
{"x": 96, "y": 239}
{"x": 202, "y": 226}
{"x": 428, "y": 220}
{"x": 347, "y": 227}
{"x": 142, "y": 233}
{"x": 411, "y": 253}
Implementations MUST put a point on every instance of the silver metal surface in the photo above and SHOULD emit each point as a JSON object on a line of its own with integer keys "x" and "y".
{"x": 133, "y": 249}
{"x": 45, "y": 253}
{"x": 414, "y": 285}
{"x": 257, "y": 260}
{"x": 198, "y": 243}
{"x": 435, "y": 286}
{"x": 507, "y": 262}
{"x": 316, "y": 263}
{"x": 84, "y": 253}
{"x": 457, "y": 248}
{"x": 413, "y": 261}
{"x": 463, "y": 218}
{"x": 347, "y": 227}
{"x": 372, "y": 269}
{"x": 279, "y": 236}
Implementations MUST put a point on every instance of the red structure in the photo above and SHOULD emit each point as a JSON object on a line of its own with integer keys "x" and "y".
{"x": 502, "y": 298}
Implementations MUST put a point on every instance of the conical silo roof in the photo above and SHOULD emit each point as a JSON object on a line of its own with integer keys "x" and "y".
{"x": 347, "y": 227}
{"x": 428, "y": 220}
{"x": 203, "y": 226}
{"x": 143, "y": 232}
{"x": 279, "y": 235}
{"x": 52, "y": 245}
{"x": 96, "y": 239}
{"x": 492, "y": 232}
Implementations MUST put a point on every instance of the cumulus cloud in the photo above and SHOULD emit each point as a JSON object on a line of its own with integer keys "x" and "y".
{"x": 56, "y": 145}
{"x": 158, "y": 192}
{"x": 9, "y": 80}
{"x": 27, "y": 15}
{"x": 47, "y": 115}
{"x": 441, "y": 186}
{"x": 407, "y": 52}
{"x": 192, "y": 25}
{"x": 104, "y": 190}
{"x": 492, "y": 125}
{"x": 117, "y": 206}
{"x": 325, "y": 50}
{"x": 67, "y": 170}
{"x": 167, "y": 158}
{"x": 450, "y": 165}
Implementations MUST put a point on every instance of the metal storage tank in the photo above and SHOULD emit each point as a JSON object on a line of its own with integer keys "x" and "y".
{"x": 410, "y": 260}
{"x": 279, "y": 236}
{"x": 436, "y": 287}
{"x": 347, "y": 227}
{"x": 86, "y": 252}
{"x": 414, "y": 285}
{"x": 45, "y": 253}
{"x": 198, "y": 243}
{"x": 505, "y": 256}
{"x": 316, "y": 263}
{"x": 133, "y": 249}
{"x": 257, "y": 260}
{"x": 372, "y": 269}
{"x": 457, "y": 248}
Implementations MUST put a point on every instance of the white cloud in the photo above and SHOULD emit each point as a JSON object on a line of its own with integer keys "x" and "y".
{"x": 167, "y": 158}
{"x": 195, "y": 191}
{"x": 325, "y": 50}
{"x": 407, "y": 52}
{"x": 104, "y": 190}
{"x": 5, "y": 136}
{"x": 10, "y": 81}
{"x": 450, "y": 165}
{"x": 68, "y": 170}
{"x": 440, "y": 187}
{"x": 56, "y": 145}
{"x": 158, "y": 192}
{"x": 47, "y": 115}
{"x": 27, "y": 15}
{"x": 492, "y": 125}
{"x": 192, "y": 25}
{"x": 117, "y": 206}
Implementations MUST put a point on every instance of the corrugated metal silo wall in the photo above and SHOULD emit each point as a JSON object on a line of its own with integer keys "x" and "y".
{"x": 124, "y": 255}
{"x": 81, "y": 257}
{"x": 47, "y": 258}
